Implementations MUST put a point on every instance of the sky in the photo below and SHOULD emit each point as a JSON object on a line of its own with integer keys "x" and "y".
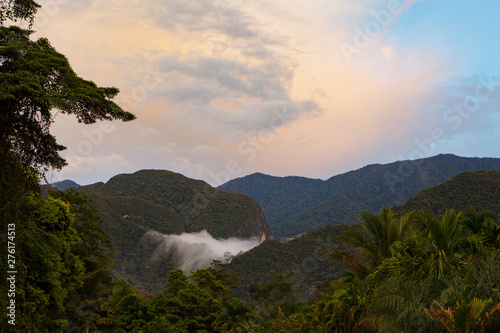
{"x": 225, "y": 88}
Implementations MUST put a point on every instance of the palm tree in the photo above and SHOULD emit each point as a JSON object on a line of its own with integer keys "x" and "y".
{"x": 436, "y": 262}
{"x": 442, "y": 231}
{"x": 124, "y": 295}
{"x": 472, "y": 317}
{"x": 440, "y": 248}
{"x": 234, "y": 317}
{"x": 345, "y": 310}
{"x": 475, "y": 222}
{"x": 373, "y": 240}
{"x": 483, "y": 276}
{"x": 397, "y": 305}
{"x": 484, "y": 224}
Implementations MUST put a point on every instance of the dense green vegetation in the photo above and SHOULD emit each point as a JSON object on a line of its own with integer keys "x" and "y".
{"x": 407, "y": 273}
{"x": 198, "y": 205}
{"x": 305, "y": 256}
{"x": 293, "y": 205}
{"x": 414, "y": 272}
{"x": 476, "y": 190}
{"x": 411, "y": 273}
{"x": 280, "y": 197}
{"x": 169, "y": 203}
{"x": 418, "y": 274}
{"x": 54, "y": 263}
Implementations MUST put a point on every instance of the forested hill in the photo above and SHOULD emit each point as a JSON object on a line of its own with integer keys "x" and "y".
{"x": 198, "y": 205}
{"x": 65, "y": 184}
{"x": 478, "y": 190}
{"x": 168, "y": 202}
{"x": 305, "y": 257}
{"x": 293, "y": 205}
{"x": 279, "y": 197}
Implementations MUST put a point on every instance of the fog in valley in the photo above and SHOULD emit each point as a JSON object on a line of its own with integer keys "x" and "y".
{"x": 197, "y": 250}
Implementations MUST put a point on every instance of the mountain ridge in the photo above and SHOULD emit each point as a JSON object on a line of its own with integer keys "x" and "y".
{"x": 195, "y": 201}
{"x": 478, "y": 190}
{"x": 63, "y": 185}
{"x": 340, "y": 198}
{"x": 170, "y": 203}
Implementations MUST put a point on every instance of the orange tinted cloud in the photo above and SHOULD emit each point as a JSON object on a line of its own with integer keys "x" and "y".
{"x": 263, "y": 87}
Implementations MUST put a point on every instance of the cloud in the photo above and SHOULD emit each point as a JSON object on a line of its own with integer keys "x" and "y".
{"x": 467, "y": 105}
{"x": 202, "y": 16}
{"x": 229, "y": 72}
{"x": 235, "y": 83}
{"x": 217, "y": 89}
{"x": 196, "y": 250}
{"x": 266, "y": 84}
{"x": 262, "y": 81}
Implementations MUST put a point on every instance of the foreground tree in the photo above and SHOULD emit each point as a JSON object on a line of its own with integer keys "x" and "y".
{"x": 83, "y": 307}
{"x": 345, "y": 310}
{"x": 483, "y": 224}
{"x": 15, "y": 10}
{"x": 439, "y": 248}
{"x": 464, "y": 317}
{"x": 366, "y": 247}
{"x": 440, "y": 274}
{"x": 234, "y": 317}
{"x": 47, "y": 270}
{"x": 36, "y": 80}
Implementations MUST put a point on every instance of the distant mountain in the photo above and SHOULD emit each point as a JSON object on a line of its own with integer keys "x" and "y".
{"x": 170, "y": 203}
{"x": 293, "y": 205}
{"x": 305, "y": 255}
{"x": 279, "y": 197}
{"x": 198, "y": 205}
{"x": 65, "y": 184}
{"x": 478, "y": 190}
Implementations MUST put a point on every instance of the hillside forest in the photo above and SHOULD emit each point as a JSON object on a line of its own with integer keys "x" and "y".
{"x": 429, "y": 265}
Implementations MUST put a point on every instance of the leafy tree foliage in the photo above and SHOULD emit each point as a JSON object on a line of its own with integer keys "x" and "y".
{"x": 434, "y": 279}
{"x": 345, "y": 309}
{"x": 373, "y": 241}
{"x": 60, "y": 275}
{"x": 35, "y": 80}
{"x": 18, "y": 10}
{"x": 464, "y": 317}
{"x": 84, "y": 305}
{"x": 469, "y": 190}
{"x": 187, "y": 304}
{"x": 234, "y": 317}
{"x": 48, "y": 271}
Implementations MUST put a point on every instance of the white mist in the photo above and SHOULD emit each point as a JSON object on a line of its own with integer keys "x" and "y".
{"x": 197, "y": 250}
